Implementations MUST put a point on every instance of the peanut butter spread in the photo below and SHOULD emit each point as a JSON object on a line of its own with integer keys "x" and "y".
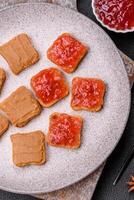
{"x": 28, "y": 148}
{"x": 19, "y": 53}
{"x": 20, "y": 107}
{"x": 4, "y": 124}
{"x": 2, "y": 78}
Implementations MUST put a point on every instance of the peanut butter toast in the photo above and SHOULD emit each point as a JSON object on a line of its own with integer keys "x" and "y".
{"x": 2, "y": 78}
{"x": 20, "y": 107}
{"x": 28, "y": 148}
{"x": 4, "y": 124}
{"x": 19, "y": 53}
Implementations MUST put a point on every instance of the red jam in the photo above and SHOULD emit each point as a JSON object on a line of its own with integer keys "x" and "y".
{"x": 117, "y": 14}
{"x": 64, "y": 130}
{"x": 87, "y": 93}
{"x": 66, "y": 52}
{"x": 49, "y": 86}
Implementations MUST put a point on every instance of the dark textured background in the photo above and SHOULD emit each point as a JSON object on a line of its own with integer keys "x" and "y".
{"x": 105, "y": 190}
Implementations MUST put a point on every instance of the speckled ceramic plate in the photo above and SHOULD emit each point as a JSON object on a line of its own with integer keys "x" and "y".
{"x": 101, "y": 131}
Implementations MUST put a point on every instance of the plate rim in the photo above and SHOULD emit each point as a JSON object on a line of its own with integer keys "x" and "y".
{"x": 129, "y": 95}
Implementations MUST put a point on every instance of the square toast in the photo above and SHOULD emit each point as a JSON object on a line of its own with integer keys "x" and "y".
{"x": 64, "y": 130}
{"x": 4, "y": 124}
{"x": 87, "y": 94}
{"x": 49, "y": 86}
{"x": 28, "y": 148}
{"x": 19, "y": 53}
{"x": 2, "y": 78}
{"x": 20, "y": 107}
{"x": 67, "y": 52}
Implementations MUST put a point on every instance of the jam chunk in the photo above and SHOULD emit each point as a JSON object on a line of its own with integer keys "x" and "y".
{"x": 66, "y": 52}
{"x": 87, "y": 94}
{"x": 64, "y": 130}
{"x": 49, "y": 86}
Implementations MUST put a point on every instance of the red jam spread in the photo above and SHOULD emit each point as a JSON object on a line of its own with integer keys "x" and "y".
{"x": 64, "y": 130}
{"x": 117, "y": 14}
{"x": 87, "y": 93}
{"x": 49, "y": 86}
{"x": 66, "y": 52}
